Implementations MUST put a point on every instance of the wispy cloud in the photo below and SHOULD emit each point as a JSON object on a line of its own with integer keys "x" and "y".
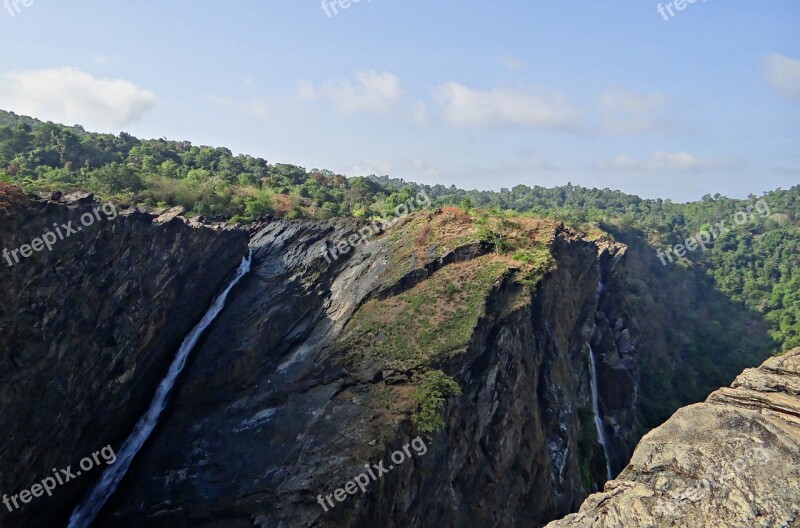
{"x": 419, "y": 113}
{"x": 465, "y": 106}
{"x": 510, "y": 63}
{"x": 627, "y": 112}
{"x": 660, "y": 161}
{"x": 372, "y": 166}
{"x": 787, "y": 171}
{"x": 783, "y": 74}
{"x": 370, "y": 92}
{"x": 253, "y": 107}
{"x": 68, "y": 95}
{"x": 99, "y": 60}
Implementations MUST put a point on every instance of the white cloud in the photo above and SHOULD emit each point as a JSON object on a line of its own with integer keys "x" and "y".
{"x": 99, "y": 60}
{"x": 626, "y": 112}
{"x": 421, "y": 170}
{"x": 510, "y": 62}
{"x": 372, "y": 166}
{"x": 410, "y": 169}
{"x": 372, "y": 92}
{"x": 252, "y": 108}
{"x": 419, "y": 113}
{"x": 462, "y": 105}
{"x": 306, "y": 91}
{"x": 660, "y": 161}
{"x": 783, "y": 74}
{"x": 526, "y": 167}
{"x": 67, "y": 95}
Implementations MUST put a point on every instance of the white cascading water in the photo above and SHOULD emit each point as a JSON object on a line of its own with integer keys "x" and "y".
{"x": 86, "y": 512}
{"x": 601, "y": 433}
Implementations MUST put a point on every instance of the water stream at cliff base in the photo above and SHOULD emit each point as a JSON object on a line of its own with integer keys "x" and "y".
{"x": 86, "y": 511}
{"x": 598, "y": 422}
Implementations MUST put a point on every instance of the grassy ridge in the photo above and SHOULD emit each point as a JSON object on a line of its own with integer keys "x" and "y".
{"x": 757, "y": 266}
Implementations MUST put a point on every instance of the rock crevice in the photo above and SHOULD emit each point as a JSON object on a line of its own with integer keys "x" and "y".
{"x": 731, "y": 461}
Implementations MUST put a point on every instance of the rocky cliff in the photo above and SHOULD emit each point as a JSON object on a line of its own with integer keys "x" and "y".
{"x": 498, "y": 356}
{"x": 312, "y": 371}
{"x": 732, "y": 461}
{"x": 87, "y": 330}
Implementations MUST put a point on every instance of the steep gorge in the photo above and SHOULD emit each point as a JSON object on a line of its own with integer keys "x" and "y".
{"x": 311, "y": 369}
{"x": 265, "y": 421}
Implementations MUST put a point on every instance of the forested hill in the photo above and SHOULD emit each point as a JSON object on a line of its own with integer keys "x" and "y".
{"x": 755, "y": 263}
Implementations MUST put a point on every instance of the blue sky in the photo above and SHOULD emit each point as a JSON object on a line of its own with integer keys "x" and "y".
{"x": 477, "y": 94}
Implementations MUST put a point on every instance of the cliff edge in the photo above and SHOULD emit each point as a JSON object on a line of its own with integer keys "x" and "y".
{"x": 96, "y": 301}
{"x": 731, "y": 461}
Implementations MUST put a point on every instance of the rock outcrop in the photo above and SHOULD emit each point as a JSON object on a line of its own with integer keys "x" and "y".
{"x": 87, "y": 331}
{"x": 733, "y": 461}
{"x": 309, "y": 374}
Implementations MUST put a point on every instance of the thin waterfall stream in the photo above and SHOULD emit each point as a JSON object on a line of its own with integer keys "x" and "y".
{"x": 598, "y": 422}
{"x": 86, "y": 511}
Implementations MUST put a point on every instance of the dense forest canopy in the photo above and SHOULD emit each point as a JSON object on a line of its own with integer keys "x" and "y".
{"x": 755, "y": 264}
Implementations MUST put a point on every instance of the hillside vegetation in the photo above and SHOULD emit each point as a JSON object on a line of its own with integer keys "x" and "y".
{"x": 756, "y": 264}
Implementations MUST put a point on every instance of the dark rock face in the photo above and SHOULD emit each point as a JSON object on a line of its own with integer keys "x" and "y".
{"x": 271, "y": 412}
{"x": 277, "y": 408}
{"x": 732, "y": 461}
{"x": 615, "y": 341}
{"x": 87, "y": 331}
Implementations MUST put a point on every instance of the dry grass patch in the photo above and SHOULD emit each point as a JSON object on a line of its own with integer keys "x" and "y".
{"x": 432, "y": 320}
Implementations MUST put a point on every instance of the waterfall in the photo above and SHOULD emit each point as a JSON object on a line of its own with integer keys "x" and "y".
{"x": 86, "y": 512}
{"x": 598, "y": 422}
